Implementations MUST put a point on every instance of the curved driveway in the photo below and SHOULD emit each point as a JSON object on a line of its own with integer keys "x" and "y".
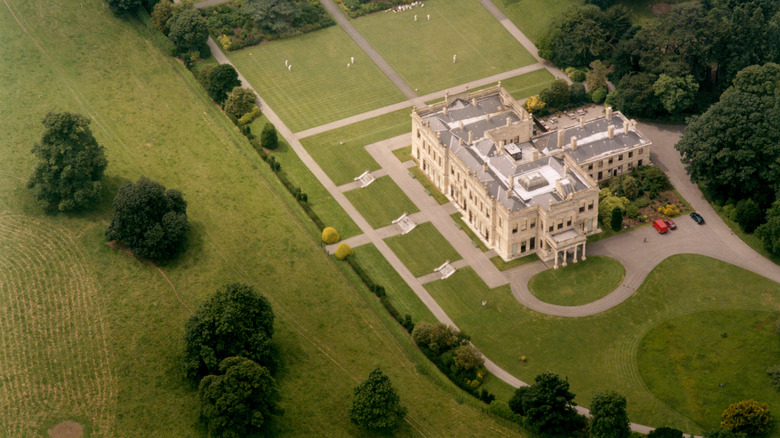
{"x": 641, "y": 250}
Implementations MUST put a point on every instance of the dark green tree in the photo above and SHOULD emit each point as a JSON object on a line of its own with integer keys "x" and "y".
{"x": 187, "y": 30}
{"x": 120, "y": 7}
{"x": 734, "y": 147}
{"x": 268, "y": 138}
{"x": 239, "y": 102}
{"x": 634, "y": 95}
{"x": 610, "y": 419}
{"x": 274, "y": 16}
{"x": 556, "y": 95}
{"x": 468, "y": 360}
{"x": 549, "y": 407}
{"x": 516, "y": 402}
{"x": 149, "y": 220}
{"x": 749, "y": 215}
{"x": 723, "y": 433}
{"x": 665, "y": 432}
{"x": 629, "y": 187}
{"x": 597, "y": 76}
{"x": 235, "y": 321}
{"x": 769, "y": 232}
{"x": 162, "y": 12}
{"x": 221, "y": 81}
{"x": 616, "y": 219}
{"x": 240, "y": 400}
{"x": 376, "y": 405}
{"x": 675, "y": 93}
{"x": 577, "y": 94}
{"x": 71, "y": 163}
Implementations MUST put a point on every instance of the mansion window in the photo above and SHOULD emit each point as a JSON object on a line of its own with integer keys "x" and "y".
{"x": 630, "y": 154}
{"x": 610, "y": 161}
{"x": 620, "y": 157}
{"x": 568, "y": 222}
{"x": 641, "y": 151}
{"x": 514, "y": 229}
{"x": 533, "y": 223}
{"x": 590, "y": 166}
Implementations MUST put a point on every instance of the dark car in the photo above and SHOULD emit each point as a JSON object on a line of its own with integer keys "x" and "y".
{"x": 670, "y": 223}
{"x": 697, "y": 217}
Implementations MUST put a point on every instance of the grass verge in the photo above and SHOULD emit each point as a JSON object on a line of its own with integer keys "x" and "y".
{"x": 469, "y": 232}
{"x": 403, "y": 154}
{"x": 505, "y": 266}
{"x": 430, "y": 188}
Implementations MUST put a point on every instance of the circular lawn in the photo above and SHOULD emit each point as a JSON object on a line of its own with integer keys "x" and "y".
{"x": 578, "y": 283}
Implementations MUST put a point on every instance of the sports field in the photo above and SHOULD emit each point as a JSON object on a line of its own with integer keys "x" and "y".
{"x": 422, "y": 51}
{"x": 622, "y": 349}
{"x": 91, "y": 334}
{"x": 319, "y": 88}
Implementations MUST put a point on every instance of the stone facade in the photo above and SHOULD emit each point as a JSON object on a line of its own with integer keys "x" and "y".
{"x": 521, "y": 192}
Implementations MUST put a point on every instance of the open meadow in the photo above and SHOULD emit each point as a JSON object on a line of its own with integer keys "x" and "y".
{"x": 319, "y": 88}
{"x": 644, "y": 348}
{"x": 421, "y": 51}
{"x": 93, "y": 335}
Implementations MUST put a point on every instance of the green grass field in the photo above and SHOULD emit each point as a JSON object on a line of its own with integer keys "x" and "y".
{"x": 532, "y": 16}
{"x": 600, "y": 352}
{"x": 578, "y": 283}
{"x": 319, "y": 199}
{"x": 93, "y": 335}
{"x": 421, "y": 51}
{"x": 381, "y": 202}
{"x": 423, "y": 249}
{"x": 401, "y": 295}
{"x": 320, "y": 88}
{"x": 344, "y": 162}
{"x": 667, "y": 361}
{"x": 523, "y": 86}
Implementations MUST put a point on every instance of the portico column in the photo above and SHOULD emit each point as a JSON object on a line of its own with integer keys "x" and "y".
{"x": 575, "y": 254}
{"x": 583, "y": 253}
{"x": 555, "y": 266}
{"x": 564, "y": 258}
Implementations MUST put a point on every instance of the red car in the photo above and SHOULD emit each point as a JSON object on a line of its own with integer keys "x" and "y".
{"x": 670, "y": 223}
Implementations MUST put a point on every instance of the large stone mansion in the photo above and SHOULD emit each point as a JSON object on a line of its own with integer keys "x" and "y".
{"x": 522, "y": 190}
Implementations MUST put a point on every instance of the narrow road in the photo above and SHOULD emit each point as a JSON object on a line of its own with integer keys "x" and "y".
{"x": 343, "y": 21}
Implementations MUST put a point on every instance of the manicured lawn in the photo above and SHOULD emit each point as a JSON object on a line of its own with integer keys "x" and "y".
{"x": 343, "y": 162}
{"x": 421, "y": 51}
{"x": 423, "y": 249}
{"x": 578, "y": 283}
{"x": 319, "y": 199}
{"x": 403, "y": 154}
{"x": 428, "y": 185}
{"x": 465, "y": 228}
{"x": 505, "y": 266}
{"x": 401, "y": 295}
{"x": 533, "y": 16}
{"x": 320, "y": 88}
{"x": 600, "y": 352}
{"x": 733, "y": 348}
{"x": 381, "y": 202}
{"x": 529, "y": 84}
{"x": 93, "y": 335}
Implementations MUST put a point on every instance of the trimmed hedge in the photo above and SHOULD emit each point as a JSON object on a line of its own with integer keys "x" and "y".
{"x": 330, "y": 235}
{"x": 343, "y": 251}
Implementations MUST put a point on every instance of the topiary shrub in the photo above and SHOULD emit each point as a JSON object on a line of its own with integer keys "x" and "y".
{"x": 343, "y": 251}
{"x": 330, "y": 235}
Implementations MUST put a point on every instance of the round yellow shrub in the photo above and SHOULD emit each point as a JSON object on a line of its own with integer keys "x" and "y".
{"x": 343, "y": 251}
{"x": 330, "y": 235}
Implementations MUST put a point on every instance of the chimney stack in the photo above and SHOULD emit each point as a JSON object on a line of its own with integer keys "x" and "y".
{"x": 446, "y": 110}
{"x": 611, "y": 131}
{"x": 501, "y": 147}
{"x": 470, "y": 136}
{"x": 460, "y": 124}
{"x": 625, "y": 127}
{"x": 474, "y": 101}
{"x": 485, "y": 166}
{"x": 581, "y": 122}
{"x": 560, "y": 137}
{"x": 565, "y": 169}
{"x": 487, "y": 117}
{"x": 508, "y": 121}
{"x": 609, "y": 113}
{"x": 535, "y": 155}
{"x": 574, "y": 143}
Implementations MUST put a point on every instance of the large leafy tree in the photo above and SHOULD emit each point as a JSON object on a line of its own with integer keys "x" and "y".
{"x": 610, "y": 419}
{"x": 240, "y": 101}
{"x": 187, "y": 30}
{"x": 634, "y": 95}
{"x": 769, "y": 232}
{"x": 240, "y": 400}
{"x": 665, "y": 432}
{"x": 221, "y": 81}
{"x": 119, "y": 7}
{"x": 275, "y": 16}
{"x": 71, "y": 163}
{"x": 734, "y": 147}
{"x": 376, "y": 404}
{"x": 676, "y": 93}
{"x": 749, "y": 417}
{"x": 235, "y": 321}
{"x": 549, "y": 408}
{"x": 149, "y": 220}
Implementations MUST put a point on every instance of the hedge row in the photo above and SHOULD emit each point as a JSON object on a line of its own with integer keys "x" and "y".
{"x": 379, "y": 291}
